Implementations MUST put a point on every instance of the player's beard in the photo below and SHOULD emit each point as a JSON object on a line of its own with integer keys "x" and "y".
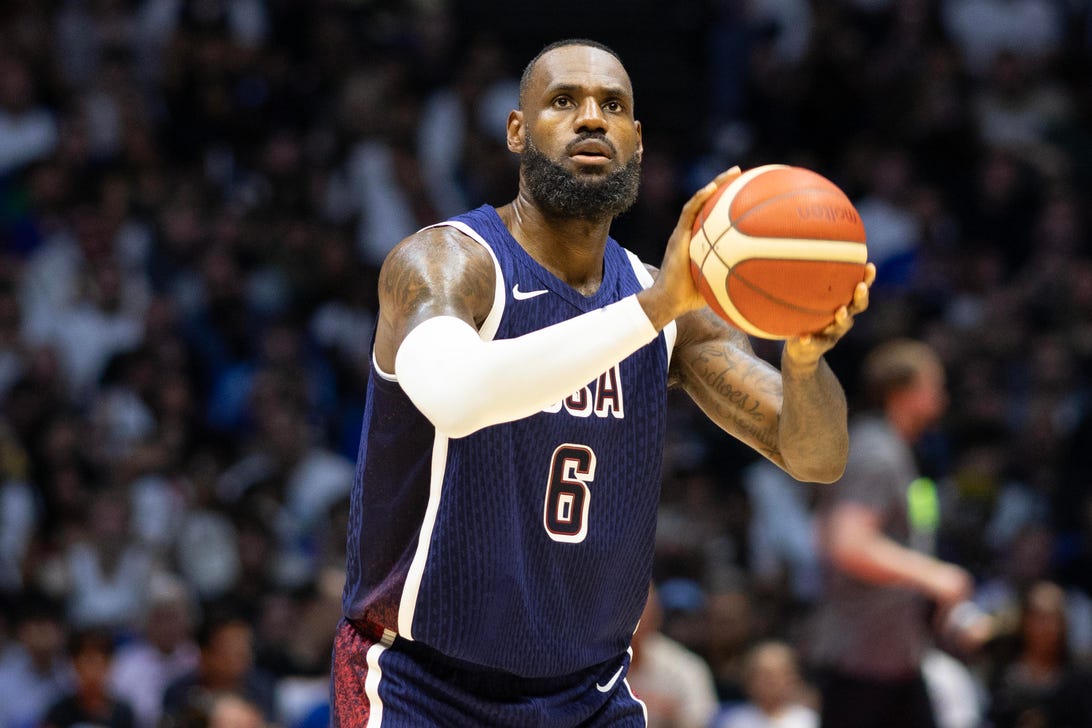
{"x": 565, "y": 194}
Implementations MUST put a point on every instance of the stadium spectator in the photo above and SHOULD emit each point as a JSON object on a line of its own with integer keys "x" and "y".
{"x": 178, "y": 178}
{"x": 91, "y": 701}
{"x": 675, "y": 684}
{"x": 777, "y": 696}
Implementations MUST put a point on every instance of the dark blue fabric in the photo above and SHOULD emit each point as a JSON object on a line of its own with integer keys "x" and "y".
{"x": 500, "y": 587}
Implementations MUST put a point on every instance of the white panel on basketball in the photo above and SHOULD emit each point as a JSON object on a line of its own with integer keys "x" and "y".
{"x": 734, "y": 247}
{"x": 726, "y": 301}
{"x": 722, "y": 211}
{"x": 744, "y": 247}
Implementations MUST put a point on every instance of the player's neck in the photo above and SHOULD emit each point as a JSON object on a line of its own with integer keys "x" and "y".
{"x": 570, "y": 248}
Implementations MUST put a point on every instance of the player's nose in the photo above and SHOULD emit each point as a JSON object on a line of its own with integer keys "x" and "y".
{"x": 590, "y": 116}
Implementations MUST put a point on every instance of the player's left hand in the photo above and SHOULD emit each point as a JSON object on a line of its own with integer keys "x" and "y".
{"x": 674, "y": 291}
{"x": 805, "y": 351}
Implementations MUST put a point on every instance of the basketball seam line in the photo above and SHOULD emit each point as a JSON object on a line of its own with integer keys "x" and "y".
{"x": 775, "y": 299}
{"x": 776, "y": 198}
{"x": 710, "y": 245}
{"x": 712, "y": 250}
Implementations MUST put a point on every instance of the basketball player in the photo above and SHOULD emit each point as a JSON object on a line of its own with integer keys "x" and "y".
{"x": 502, "y": 519}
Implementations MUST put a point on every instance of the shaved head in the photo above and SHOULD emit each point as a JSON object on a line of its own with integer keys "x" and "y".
{"x": 525, "y": 78}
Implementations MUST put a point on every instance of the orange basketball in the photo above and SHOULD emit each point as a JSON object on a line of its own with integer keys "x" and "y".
{"x": 777, "y": 250}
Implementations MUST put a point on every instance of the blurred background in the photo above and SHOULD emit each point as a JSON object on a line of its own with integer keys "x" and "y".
{"x": 195, "y": 197}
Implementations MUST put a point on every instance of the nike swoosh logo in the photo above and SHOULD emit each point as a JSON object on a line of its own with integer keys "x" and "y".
{"x": 610, "y": 683}
{"x": 524, "y": 295}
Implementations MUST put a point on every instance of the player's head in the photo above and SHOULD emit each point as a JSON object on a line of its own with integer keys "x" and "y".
{"x": 906, "y": 375}
{"x": 579, "y": 143}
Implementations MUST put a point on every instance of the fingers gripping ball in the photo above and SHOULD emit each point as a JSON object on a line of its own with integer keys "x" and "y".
{"x": 777, "y": 250}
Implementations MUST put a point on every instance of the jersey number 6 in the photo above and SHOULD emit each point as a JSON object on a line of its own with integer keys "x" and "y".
{"x": 565, "y": 514}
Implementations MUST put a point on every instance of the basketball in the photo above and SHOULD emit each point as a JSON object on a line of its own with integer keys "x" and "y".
{"x": 777, "y": 250}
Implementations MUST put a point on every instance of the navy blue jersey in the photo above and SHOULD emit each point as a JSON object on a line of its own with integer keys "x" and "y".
{"x": 525, "y": 546}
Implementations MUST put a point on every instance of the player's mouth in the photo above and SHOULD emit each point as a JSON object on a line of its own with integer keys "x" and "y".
{"x": 591, "y": 151}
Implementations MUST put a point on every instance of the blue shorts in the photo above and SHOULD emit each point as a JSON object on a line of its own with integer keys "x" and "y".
{"x": 398, "y": 683}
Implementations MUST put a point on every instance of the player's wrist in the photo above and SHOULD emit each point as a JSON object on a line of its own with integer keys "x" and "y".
{"x": 660, "y": 307}
{"x": 797, "y": 363}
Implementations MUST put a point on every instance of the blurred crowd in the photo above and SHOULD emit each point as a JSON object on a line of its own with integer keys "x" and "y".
{"x": 195, "y": 196}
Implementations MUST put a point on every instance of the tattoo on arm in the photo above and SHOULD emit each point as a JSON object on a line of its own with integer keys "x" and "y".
{"x": 436, "y": 272}
{"x": 737, "y": 391}
{"x": 440, "y": 271}
{"x": 403, "y": 287}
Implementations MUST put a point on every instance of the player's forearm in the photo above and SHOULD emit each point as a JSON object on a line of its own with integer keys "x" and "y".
{"x": 462, "y": 384}
{"x": 813, "y": 437}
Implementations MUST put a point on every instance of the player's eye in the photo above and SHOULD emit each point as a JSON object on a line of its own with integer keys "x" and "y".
{"x": 613, "y": 106}
{"x": 563, "y": 102}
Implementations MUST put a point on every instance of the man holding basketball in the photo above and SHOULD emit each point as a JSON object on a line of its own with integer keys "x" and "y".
{"x": 503, "y": 515}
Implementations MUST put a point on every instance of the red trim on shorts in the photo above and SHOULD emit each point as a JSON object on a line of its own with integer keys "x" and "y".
{"x": 349, "y": 703}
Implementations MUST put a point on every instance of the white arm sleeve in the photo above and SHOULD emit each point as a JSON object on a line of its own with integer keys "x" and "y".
{"x": 462, "y": 384}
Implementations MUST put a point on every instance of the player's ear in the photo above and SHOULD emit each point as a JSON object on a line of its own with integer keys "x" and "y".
{"x": 516, "y": 132}
{"x": 640, "y": 143}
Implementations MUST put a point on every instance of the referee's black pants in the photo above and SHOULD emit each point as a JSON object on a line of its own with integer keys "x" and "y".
{"x": 849, "y": 701}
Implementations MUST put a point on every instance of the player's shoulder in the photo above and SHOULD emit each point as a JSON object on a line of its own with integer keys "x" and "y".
{"x": 434, "y": 242}
{"x": 439, "y": 252}
{"x": 437, "y": 266}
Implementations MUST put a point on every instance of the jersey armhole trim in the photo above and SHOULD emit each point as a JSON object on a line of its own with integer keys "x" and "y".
{"x": 645, "y": 279}
{"x": 491, "y": 323}
{"x": 379, "y": 370}
{"x": 492, "y": 319}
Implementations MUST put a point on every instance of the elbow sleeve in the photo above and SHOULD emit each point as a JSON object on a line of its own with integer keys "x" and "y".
{"x": 462, "y": 384}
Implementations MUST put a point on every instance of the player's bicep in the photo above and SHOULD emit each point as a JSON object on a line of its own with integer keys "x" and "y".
{"x": 715, "y": 364}
{"x": 436, "y": 272}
